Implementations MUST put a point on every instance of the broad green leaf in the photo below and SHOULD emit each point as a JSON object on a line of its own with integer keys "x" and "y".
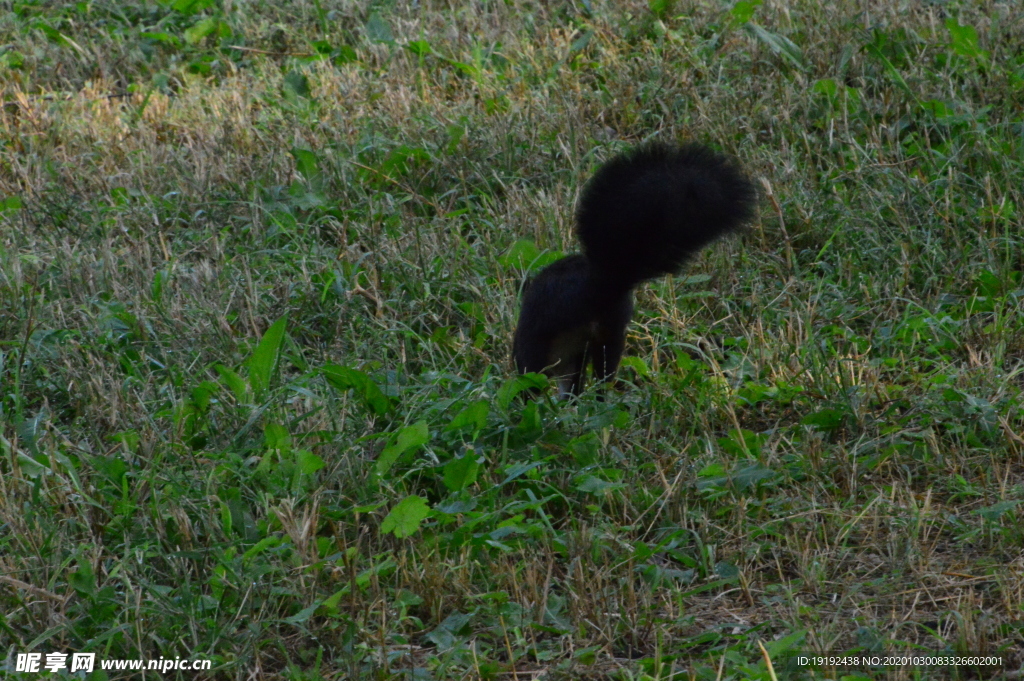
{"x": 200, "y": 30}
{"x": 825, "y": 419}
{"x": 419, "y": 47}
{"x": 307, "y": 163}
{"x": 296, "y": 84}
{"x": 661, "y": 8}
{"x": 406, "y": 516}
{"x": 996, "y": 510}
{"x": 461, "y": 473}
{"x": 827, "y": 87}
{"x": 712, "y": 470}
{"x": 308, "y": 462}
{"x": 264, "y": 358}
{"x": 377, "y": 30}
{"x": 786, "y": 642}
{"x": 585, "y": 449}
{"x": 233, "y": 381}
{"x": 161, "y": 37}
{"x": 474, "y": 416}
{"x": 514, "y": 386}
{"x": 408, "y": 438}
{"x": 743, "y": 11}
{"x": 261, "y": 546}
{"x": 345, "y": 378}
{"x": 520, "y": 255}
{"x": 524, "y": 255}
{"x": 83, "y": 580}
{"x": 190, "y": 7}
{"x": 303, "y": 615}
{"x": 965, "y": 40}
{"x": 727, "y": 570}
{"x": 591, "y": 484}
{"x": 518, "y": 469}
{"x": 638, "y": 365}
{"x": 276, "y": 436}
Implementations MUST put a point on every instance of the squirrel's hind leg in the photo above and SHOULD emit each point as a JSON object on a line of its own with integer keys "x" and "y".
{"x": 567, "y": 360}
{"x": 610, "y": 339}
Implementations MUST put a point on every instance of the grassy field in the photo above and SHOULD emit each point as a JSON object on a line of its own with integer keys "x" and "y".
{"x": 259, "y": 269}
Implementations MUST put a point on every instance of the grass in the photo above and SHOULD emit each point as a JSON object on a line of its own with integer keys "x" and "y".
{"x": 259, "y": 267}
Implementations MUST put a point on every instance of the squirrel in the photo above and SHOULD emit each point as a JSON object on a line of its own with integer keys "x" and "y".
{"x": 642, "y": 215}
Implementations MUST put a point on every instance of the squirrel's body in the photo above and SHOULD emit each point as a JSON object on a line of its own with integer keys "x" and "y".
{"x": 641, "y": 216}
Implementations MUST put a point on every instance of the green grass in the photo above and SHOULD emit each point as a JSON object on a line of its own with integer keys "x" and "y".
{"x": 256, "y": 308}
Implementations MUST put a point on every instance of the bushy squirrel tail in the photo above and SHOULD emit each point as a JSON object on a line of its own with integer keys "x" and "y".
{"x": 645, "y": 212}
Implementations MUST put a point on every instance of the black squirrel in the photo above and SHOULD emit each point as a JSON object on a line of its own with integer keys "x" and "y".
{"x": 642, "y": 215}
